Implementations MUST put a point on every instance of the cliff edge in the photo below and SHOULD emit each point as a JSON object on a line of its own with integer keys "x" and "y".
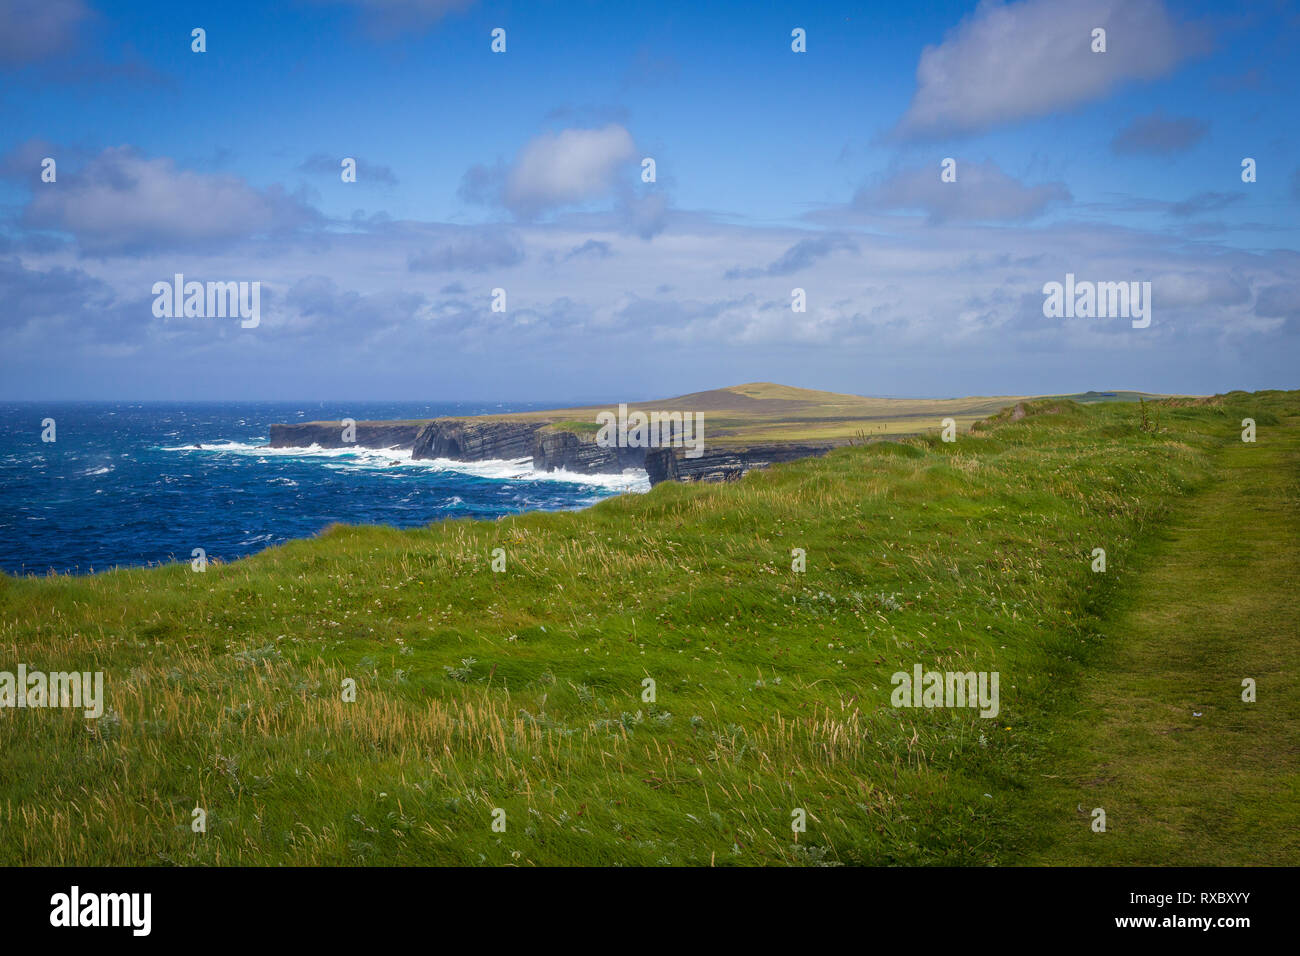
{"x": 742, "y": 427}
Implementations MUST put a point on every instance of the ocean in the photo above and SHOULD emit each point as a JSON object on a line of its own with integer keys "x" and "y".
{"x": 139, "y": 483}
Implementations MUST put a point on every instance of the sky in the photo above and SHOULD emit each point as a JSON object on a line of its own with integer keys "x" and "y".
{"x": 775, "y": 169}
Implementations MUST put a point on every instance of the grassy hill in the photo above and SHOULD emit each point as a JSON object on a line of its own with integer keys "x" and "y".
{"x": 760, "y": 412}
{"x": 522, "y": 691}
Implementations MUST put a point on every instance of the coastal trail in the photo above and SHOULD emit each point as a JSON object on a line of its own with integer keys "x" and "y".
{"x": 1185, "y": 770}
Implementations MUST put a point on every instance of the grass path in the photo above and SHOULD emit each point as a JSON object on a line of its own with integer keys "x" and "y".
{"x": 1217, "y": 602}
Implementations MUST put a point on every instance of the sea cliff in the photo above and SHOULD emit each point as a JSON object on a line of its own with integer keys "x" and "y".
{"x": 740, "y": 428}
{"x": 722, "y": 463}
{"x": 550, "y": 448}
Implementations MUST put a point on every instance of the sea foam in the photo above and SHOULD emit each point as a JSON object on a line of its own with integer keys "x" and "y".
{"x": 373, "y": 459}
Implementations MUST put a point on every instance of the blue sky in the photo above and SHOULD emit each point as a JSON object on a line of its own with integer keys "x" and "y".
{"x": 521, "y": 171}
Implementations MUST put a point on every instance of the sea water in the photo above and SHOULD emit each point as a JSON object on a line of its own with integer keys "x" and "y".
{"x": 145, "y": 483}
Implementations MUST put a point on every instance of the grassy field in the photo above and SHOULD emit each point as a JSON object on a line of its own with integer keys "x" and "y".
{"x": 522, "y": 691}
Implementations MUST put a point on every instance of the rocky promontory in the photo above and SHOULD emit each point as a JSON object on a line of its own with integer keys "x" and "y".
{"x": 717, "y": 435}
{"x": 550, "y": 448}
{"x": 464, "y": 439}
{"x": 330, "y": 435}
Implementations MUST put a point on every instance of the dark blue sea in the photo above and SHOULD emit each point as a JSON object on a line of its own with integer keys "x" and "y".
{"x": 128, "y": 483}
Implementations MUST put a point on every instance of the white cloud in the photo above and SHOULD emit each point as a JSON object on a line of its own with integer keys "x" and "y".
{"x": 572, "y": 166}
{"x": 1007, "y": 62}
{"x": 567, "y": 168}
{"x": 981, "y": 191}
{"x": 475, "y": 251}
{"x": 122, "y": 202}
{"x": 937, "y": 308}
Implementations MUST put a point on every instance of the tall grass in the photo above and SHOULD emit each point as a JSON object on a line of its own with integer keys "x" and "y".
{"x": 523, "y": 690}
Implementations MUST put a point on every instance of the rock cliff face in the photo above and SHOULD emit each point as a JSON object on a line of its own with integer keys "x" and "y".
{"x": 463, "y": 440}
{"x": 471, "y": 440}
{"x": 330, "y": 435}
{"x": 721, "y": 464}
{"x": 550, "y": 450}
{"x": 554, "y": 450}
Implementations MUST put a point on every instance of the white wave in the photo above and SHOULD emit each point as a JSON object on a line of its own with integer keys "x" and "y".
{"x": 629, "y": 480}
{"x": 310, "y": 451}
{"x": 358, "y": 458}
{"x": 104, "y": 470}
{"x": 521, "y": 469}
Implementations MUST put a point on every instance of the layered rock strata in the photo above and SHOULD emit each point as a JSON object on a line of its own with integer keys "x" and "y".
{"x": 550, "y": 449}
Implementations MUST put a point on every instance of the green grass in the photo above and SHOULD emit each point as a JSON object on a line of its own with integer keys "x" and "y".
{"x": 1188, "y": 772}
{"x": 522, "y": 691}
